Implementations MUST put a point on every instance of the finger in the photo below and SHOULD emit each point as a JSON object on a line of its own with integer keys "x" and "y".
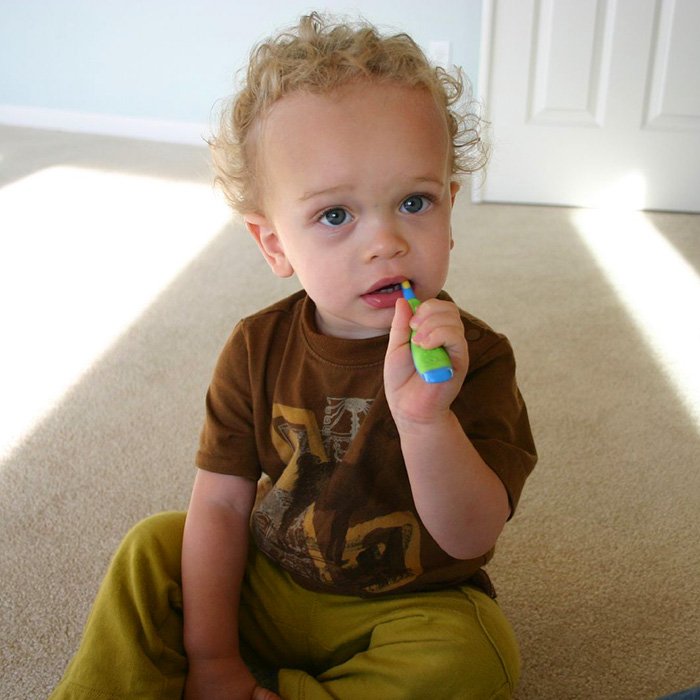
{"x": 434, "y": 329}
{"x": 444, "y": 329}
{"x": 436, "y": 333}
{"x": 261, "y": 693}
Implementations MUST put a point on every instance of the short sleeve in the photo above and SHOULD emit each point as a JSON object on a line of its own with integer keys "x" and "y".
{"x": 493, "y": 414}
{"x": 227, "y": 442}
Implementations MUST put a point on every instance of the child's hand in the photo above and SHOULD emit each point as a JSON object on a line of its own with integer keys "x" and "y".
{"x": 228, "y": 679}
{"x": 411, "y": 399}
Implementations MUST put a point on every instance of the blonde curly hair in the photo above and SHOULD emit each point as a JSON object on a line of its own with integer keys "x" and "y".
{"x": 320, "y": 55}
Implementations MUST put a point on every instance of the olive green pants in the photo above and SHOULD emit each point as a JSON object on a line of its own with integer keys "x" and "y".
{"x": 440, "y": 645}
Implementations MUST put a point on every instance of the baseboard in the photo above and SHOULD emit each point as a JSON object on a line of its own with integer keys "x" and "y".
{"x": 106, "y": 124}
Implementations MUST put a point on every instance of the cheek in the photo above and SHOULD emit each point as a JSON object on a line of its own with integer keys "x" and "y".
{"x": 316, "y": 274}
{"x": 297, "y": 256}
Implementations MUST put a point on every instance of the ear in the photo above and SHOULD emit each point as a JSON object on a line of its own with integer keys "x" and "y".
{"x": 269, "y": 243}
{"x": 454, "y": 188}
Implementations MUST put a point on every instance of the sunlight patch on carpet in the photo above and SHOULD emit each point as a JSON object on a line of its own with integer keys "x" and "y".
{"x": 658, "y": 287}
{"x": 82, "y": 254}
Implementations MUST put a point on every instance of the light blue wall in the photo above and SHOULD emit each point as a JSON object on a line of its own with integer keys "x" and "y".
{"x": 172, "y": 59}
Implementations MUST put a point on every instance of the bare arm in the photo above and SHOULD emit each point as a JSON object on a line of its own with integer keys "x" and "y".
{"x": 214, "y": 552}
{"x": 460, "y": 500}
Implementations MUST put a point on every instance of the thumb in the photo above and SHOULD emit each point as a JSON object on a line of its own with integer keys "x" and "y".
{"x": 400, "y": 332}
{"x": 261, "y": 693}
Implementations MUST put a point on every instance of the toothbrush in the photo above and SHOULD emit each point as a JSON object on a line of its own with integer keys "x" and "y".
{"x": 433, "y": 365}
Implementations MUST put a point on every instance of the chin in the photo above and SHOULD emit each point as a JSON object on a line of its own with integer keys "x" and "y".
{"x": 360, "y": 331}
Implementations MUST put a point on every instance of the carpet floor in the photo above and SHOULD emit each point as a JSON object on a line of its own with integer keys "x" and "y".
{"x": 106, "y": 363}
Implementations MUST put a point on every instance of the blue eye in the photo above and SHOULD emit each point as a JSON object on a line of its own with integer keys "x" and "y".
{"x": 414, "y": 204}
{"x": 337, "y": 216}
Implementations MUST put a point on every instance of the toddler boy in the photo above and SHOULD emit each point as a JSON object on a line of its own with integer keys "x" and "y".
{"x": 358, "y": 574}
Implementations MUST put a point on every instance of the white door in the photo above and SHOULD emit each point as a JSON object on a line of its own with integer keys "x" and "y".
{"x": 592, "y": 103}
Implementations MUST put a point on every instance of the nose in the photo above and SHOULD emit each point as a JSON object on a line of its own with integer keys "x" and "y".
{"x": 385, "y": 242}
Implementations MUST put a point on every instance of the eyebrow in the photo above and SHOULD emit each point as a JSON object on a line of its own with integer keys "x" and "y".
{"x": 326, "y": 191}
{"x": 415, "y": 182}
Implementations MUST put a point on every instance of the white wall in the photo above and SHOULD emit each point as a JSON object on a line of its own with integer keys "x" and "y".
{"x": 156, "y": 67}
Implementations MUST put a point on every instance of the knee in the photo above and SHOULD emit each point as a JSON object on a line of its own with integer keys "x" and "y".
{"x": 468, "y": 649}
{"x": 461, "y": 668}
{"x": 158, "y": 529}
{"x": 486, "y": 652}
{"x": 156, "y": 538}
{"x": 478, "y": 668}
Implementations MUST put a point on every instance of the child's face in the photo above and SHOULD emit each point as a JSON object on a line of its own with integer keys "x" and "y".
{"x": 357, "y": 196}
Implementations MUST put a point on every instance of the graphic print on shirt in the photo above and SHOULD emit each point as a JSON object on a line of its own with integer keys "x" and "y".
{"x": 341, "y": 423}
{"x": 306, "y": 525}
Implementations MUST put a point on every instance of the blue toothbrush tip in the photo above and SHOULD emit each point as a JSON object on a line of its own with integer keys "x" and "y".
{"x": 438, "y": 375}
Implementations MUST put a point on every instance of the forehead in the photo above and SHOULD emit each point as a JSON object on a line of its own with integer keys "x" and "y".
{"x": 357, "y": 97}
{"x": 367, "y": 123}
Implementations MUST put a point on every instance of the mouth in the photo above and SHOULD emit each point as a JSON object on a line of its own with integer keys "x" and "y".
{"x": 385, "y": 293}
{"x": 387, "y": 286}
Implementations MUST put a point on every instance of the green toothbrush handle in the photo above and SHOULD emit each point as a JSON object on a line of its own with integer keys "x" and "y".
{"x": 433, "y": 365}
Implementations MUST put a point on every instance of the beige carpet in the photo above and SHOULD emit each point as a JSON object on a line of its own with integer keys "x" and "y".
{"x": 600, "y": 569}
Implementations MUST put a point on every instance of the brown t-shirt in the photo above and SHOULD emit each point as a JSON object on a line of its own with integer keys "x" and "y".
{"x": 309, "y": 411}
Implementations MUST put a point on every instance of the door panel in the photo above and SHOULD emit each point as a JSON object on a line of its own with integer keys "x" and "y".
{"x": 593, "y": 102}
